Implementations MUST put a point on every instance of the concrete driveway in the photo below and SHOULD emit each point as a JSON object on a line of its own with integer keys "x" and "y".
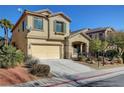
{"x": 67, "y": 73}
{"x": 63, "y": 70}
{"x": 62, "y": 67}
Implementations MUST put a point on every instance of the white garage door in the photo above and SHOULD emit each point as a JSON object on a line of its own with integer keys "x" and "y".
{"x": 46, "y": 51}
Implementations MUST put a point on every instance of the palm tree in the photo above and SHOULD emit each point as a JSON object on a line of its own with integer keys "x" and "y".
{"x": 6, "y": 25}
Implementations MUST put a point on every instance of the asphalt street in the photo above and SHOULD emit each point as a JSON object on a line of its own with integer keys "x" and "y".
{"x": 117, "y": 81}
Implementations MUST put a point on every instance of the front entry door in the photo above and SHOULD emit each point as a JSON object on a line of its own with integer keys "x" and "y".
{"x": 77, "y": 49}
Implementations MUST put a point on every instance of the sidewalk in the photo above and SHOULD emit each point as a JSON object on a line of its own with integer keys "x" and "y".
{"x": 75, "y": 80}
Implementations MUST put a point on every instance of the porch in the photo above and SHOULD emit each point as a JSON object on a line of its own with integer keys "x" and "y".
{"x": 79, "y": 48}
{"x": 77, "y": 44}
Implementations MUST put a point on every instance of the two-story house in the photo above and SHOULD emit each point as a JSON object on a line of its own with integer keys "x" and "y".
{"x": 46, "y": 35}
{"x": 99, "y": 33}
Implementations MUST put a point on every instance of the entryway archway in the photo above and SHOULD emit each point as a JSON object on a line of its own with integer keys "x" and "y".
{"x": 79, "y": 48}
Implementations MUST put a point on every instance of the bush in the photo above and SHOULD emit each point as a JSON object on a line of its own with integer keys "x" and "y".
{"x": 111, "y": 54}
{"x": 81, "y": 58}
{"x": 99, "y": 59}
{"x": 10, "y": 57}
{"x": 88, "y": 59}
{"x": 40, "y": 70}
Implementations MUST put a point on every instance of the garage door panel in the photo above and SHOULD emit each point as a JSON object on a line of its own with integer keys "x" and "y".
{"x": 46, "y": 51}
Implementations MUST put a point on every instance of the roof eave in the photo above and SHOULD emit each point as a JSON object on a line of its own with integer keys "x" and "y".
{"x": 24, "y": 14}
{"x": 60, "y": 13}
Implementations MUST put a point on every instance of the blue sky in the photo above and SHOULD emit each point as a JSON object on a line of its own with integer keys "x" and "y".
{"x": 81, "y": 16}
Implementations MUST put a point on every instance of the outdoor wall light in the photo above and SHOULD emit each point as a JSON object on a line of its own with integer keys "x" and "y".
{"x": 28, "y": 28}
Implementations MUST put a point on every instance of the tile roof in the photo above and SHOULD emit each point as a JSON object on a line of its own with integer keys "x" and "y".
{"x": 100, "y": 29}
{"x": 83, "y": 29}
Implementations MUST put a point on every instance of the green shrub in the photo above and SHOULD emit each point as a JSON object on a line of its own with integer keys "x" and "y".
{"x": 10, "y": 57}
{"x": 81, "y": 58}
{"x": 111, "y": 54}
{"x": 88, "y": 59}
{"x": 36, "y": 69}
{"x": 99, "y": 59}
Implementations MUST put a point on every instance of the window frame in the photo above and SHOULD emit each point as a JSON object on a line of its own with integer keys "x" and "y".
{"x": 63, "y": 29}
{"x": 100, "y": 34}
{"x": 62, "y": 26}
{"x": 90, "y": 35}
{"x": 37, "y": 18}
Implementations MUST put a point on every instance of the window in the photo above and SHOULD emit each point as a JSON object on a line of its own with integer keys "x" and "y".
{"x": 95, "y": 36}
{"x": 60, "y": 26}
{"x": 90, "y": 36}
{"x": 38, "y": 23}
{"x": 100, "y": 34}
{"x": 23, "y": 25}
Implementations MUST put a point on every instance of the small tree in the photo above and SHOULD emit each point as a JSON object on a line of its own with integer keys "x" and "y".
{"x": 117, "y": 39}
{"x": 104, "y": 45}
{"x": 95, "y": 46}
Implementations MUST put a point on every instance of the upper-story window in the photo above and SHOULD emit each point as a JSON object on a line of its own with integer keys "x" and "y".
{"x": 90, "y": 36}
{"x": 96, "y": 36}
{"x": 38, "y": 23}
{"x": 60, "y": 26}
{"x": 23, "y": 25}
{"x": 100, "y": 34}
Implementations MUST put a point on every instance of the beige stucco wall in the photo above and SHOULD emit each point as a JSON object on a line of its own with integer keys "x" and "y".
{"x": 44, "y": 42}
{"x": 44, "y": 13}
{"x": 76, "y": 38}
{"x": 40, "y": 37}
{"x": 43, "y": 34}
{"x": 52, "y": 31}
{"x": 19, "y": 37}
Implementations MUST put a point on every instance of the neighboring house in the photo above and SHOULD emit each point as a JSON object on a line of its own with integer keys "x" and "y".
{"x": 47, "y": 35}
{"x": 99, "y": 33}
